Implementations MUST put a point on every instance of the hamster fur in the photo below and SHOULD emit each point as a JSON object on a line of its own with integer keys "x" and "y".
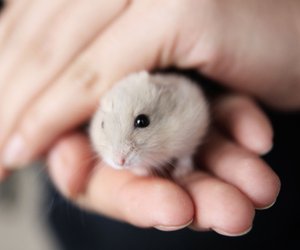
{"x": 178, "y": 118}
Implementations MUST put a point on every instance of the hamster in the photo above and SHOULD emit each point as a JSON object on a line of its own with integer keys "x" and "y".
{"x": 148, "y": 121}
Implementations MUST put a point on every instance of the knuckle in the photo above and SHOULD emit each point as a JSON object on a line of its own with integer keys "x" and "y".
{"x": 84, "y": 76}
{"x": 42, "y": 51}
{"x": 44, "y": 54}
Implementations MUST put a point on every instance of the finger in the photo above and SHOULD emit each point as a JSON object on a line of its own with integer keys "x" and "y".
{"x": 142, "y": 201}
{"x": 77, "y": 92}
{"x": 71, "y": 177}
{"x": 244, "y": 121}
{"x": 47, "y": 35}
{"x": 219, "y": 206}
{"x": 20, "y": 34}
{"x": 12, "y": 12}
{"x": 54, "y": 51}
{"x": 242, "y": 169}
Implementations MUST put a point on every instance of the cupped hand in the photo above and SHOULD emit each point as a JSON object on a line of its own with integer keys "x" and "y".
{"x": 58, "y": 57}
{"x": 222, "y": 194}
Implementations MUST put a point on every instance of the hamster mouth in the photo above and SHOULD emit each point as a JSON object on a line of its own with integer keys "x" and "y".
{"x": 123, "y": 164}
{"x": 112, "y": 164}
{"x": 130, "y": 162}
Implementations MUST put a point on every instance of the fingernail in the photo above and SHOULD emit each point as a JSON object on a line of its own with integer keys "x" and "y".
{"x": 266, "y": 148}
{"x": 266, "y": 207}
{"x": 172, "y": 228}
{"x": 261, "y": 146}
{"x": 14, "y": 154}
{"x": 220, "y": 231}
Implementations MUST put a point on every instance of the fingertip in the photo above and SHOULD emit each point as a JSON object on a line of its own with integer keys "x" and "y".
{"x": 70, "y": 163}
{"x": 56, "y": 164}
{"x": 169, "y": 228}
{"x": 220, "y": 206}
{"x": 268, "y": 198}
{"x": 242, "y": 118}
{"x": 232, "y": 234}
{"x": 255, "y": 179}
{"x": 255, "y": 131}
{"x": 167, "y": 206}
{"x": 16, "y": 154}
{"x": 237, "y": 217}
{"x": 242, "y": 169}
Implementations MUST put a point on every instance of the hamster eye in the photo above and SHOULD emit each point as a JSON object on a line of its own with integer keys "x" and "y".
{"x": 141, "y": 121}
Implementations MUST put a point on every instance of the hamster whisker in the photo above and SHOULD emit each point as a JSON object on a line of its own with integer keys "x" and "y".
{"x": 152, "y": 168}
{"x": 90, "y": 160}
{"x": 160, "y": 168}
{"x": 160, "y": 159}
{"x": 147, "y": 138}
{"x": 102, "y": 146}
{"x": 153, "y": 162}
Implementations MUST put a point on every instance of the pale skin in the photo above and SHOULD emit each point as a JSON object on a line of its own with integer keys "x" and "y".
{"x": 54, "y": 70}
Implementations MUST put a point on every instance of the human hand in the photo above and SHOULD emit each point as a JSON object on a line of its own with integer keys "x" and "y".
{"x": 54, "y": 69}
{"x": 64, "y": 93}
{"x": 230, "y": 182}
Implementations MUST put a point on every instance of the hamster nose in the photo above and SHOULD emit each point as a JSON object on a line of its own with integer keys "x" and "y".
{"x": 121, "y": 160}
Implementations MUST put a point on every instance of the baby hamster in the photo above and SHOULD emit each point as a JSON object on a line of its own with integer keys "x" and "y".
{"x": 147, "y": 120}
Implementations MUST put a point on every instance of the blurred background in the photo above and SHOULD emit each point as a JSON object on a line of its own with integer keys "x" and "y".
{"x": 23, "y": 212}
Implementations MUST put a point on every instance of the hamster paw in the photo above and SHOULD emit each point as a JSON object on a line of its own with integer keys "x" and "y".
{"x": 183, "y": 167}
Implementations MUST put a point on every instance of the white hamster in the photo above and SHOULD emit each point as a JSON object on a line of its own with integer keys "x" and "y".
{"x": 147, "y": 121}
